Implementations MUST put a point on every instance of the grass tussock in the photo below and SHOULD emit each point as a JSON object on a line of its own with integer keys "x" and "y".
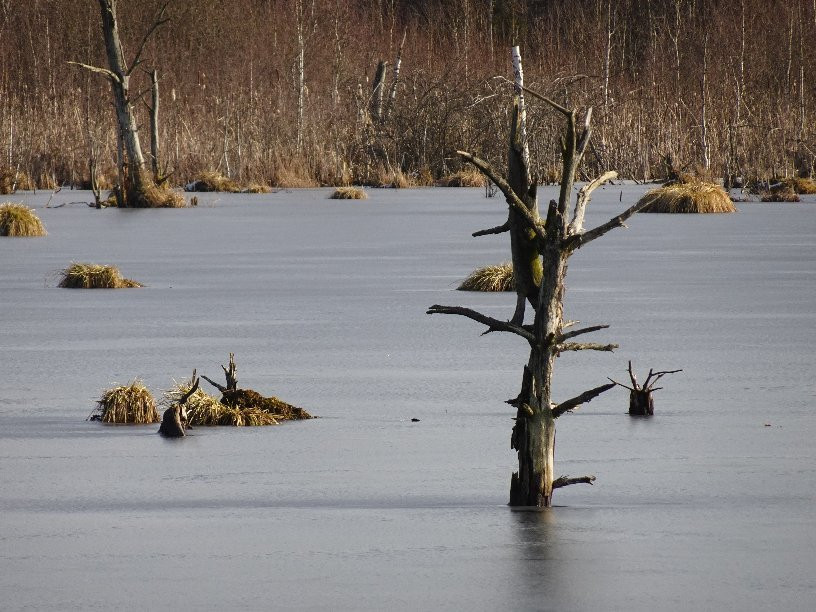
{"x": 782, "y": 192}
{"x": 349, "y": 193}
{"x": 803, "y": 186}
{"x": 688, "y": 197}
{"x": 18, "y": 220}
{"x": 12, "y": 180}
{"x": 94, "y": 276}
{"x": 469, "y": 177}
{"x": 206, "y": 410}
{"x": 158, "y": 197}
{"x": 490, "y": 278}
{"x": 211, "y": 180}
{"x": 127, "y": 404}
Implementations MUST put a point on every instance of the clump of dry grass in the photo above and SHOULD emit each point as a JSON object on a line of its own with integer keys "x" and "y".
{"x": 210, "y": 180}
{"x": 782, "y": 192}
{"x": 204, "y": 409}
{"x": 688, "y": 197}
{"x": 804, "y": 186}
{"x": 94, "y": 276}
{"x": 160, "y": 197}
{"x": 127, "y": 404}
{"x": 349, "y": 193}
{"x": 469, "y": 177}
{"x": 12, "y": 180}
{"x": 490, "y": 278}
{"x": 19, "y": 220}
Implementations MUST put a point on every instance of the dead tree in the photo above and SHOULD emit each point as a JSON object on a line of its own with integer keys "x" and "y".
{"x": 641, "y": 402}
{"x": 544, "y": 253}
{"x": 174, "y": 419}
{"x": 140, "y": 190}
{"x": 229, "y": 373}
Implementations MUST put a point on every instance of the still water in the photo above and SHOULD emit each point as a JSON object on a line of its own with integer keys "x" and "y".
{"x": 706, "y": 506}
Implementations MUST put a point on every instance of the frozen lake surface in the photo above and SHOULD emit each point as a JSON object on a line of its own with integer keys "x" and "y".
{"x": 706, "y": 506}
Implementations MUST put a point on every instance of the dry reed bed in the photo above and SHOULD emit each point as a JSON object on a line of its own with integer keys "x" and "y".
{"x": 94, "y": 276}
{"x": 18, "y": 220}
{"x": 489, "y": 278}
{"x": 690, "y": 197}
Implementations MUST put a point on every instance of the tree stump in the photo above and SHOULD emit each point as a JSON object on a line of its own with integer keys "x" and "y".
{"x": 641, "y": 402}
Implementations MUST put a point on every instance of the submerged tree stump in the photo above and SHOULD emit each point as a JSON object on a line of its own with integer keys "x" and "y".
{"x": 641, "y": 402}
{"x": 174, "y": 419}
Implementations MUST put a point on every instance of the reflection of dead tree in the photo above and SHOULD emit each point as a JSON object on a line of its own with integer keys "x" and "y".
{"x": 541, "y": 248}
{"x": 641, "y": 402}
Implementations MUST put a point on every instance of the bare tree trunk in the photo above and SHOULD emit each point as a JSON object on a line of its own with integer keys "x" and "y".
{"x": 703, "y": 118}
{"x": 534, "y": 431}
{"x": 154, "y": 125}
{"x": 301, "y": 71}
{"x": 139, "y": 189}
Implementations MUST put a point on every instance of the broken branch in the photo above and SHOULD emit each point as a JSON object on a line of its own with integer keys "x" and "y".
{"x": 576, "y": 226}
{"x": 586, "y": 396}
{"x": 492, "y": 324}
{"x": 493, "y": 230}
{"x": 510, "y": 195}
{"x": 577, "y": 241}
{"x": 583, "y": 330}
{"x": 565, "y": 481}
{"x": 589, "y": 346}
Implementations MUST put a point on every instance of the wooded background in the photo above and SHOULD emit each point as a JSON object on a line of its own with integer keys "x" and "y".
{"x": 722, "y": 84}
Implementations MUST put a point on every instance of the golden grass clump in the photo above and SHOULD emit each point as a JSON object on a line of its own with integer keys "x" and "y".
{"x": 20, "y": 220}
{"x": 469, "y": 177}
{"x": 349, "y": 193}
{"x": 161, "y": 197}
{"x": 12, "y": 180}
{"x": 210, "y": 180}
{"x": 204, "y": 409}
{"x": 128, "y": 404}
{"x": 94, "y": 276}
{"x": 490, "y": 278}
{"x": 692, "y": 197}
{"x": 804, "y": 186}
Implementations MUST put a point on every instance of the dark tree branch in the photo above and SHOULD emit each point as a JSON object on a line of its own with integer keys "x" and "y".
{"x": 586, "y": 396}
{"x": 221, "y": 388}
{"x": 493, "y": 230}
{"x": 621, "y": 384}
{"x": 193, "y": 387}
{"x": 157, "y": 23}
{"x": 565, "y": 481}
{"x": 492, "y": 324}
{"x": 576, "y": 242}
{"x": 583, "y": 330}
{"x": 512, "y": 198}
{"x": 657, "y": 376}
